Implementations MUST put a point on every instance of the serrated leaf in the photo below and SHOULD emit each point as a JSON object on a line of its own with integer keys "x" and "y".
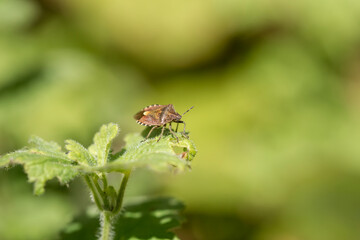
{"x": 41, "y": 144}
{"x": 79, "y": 153}
{"x": 42, "y": 161}
{"x": 165, "y": 155}
{"x": 102, "y": 142}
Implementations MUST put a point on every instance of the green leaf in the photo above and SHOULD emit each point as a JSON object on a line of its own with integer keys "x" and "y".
{"x": 165, "y": 155}
{"x": 145, "y": 219}
{"x": 41, "y": 144}
{"x": 42, "y": 161}
{"x": 79, "y": 153}
{"x": 102, "y": 142}
{"x": 150, "y": 219}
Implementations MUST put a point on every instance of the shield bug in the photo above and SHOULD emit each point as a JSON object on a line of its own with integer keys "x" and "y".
{"x": 156, "y": 116}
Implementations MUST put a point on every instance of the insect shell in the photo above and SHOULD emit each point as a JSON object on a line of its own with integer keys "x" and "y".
{"x": 158, "y": 116}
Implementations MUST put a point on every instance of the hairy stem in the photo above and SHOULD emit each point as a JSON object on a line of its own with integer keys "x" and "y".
{"x": 104, "y": 180}
{"x": 93, "y": 192}
{"x": 121, "y": 192}
{"x": 106, "y": 226}
{"x": 101, "y": 192}
{"x": 107, "y": 217}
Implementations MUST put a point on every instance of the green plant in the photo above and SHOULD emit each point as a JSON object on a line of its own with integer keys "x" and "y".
{"x": 44, "y": 160}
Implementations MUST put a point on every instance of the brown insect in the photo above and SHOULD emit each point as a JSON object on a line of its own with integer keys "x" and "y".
{"x": 156, "y": 116}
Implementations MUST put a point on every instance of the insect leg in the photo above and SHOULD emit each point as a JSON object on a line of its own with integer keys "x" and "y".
{"x": 172, "y": 132}
{"x": 150, "y": 131}
{"x": 183, "y": 132}
{"x": 162, "y": 132}
{"x": 177, "y": 126}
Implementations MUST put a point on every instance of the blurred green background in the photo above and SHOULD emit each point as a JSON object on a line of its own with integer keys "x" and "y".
{"x": 276, "y": 90}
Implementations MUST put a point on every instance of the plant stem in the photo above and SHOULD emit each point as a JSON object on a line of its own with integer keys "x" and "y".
{"x": 107, "y": 217}
{"x": 101, "y": 192}
{"x": 93, "y": 191}
{"x": 121, "y": 192}
{"x": 104, "y": 180}
{"x": 106, "y": 226}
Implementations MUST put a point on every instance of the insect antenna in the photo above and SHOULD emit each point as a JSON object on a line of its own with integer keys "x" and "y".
{"x": 187, "y": 110}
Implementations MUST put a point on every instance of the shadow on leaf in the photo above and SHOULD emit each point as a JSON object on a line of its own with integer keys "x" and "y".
{"x": 156, "y": 132}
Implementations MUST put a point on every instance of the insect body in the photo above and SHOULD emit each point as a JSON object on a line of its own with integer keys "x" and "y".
{"x": 156, "y": 116}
